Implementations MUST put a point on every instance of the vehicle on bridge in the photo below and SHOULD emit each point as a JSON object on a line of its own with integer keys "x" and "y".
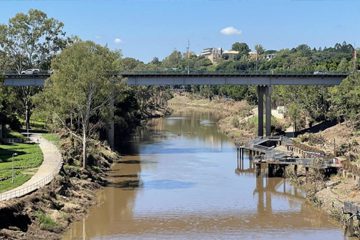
{"x": 31, "y": 71}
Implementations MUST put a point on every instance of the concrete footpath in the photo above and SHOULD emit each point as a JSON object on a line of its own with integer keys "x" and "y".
{"x": 49, "y": 168}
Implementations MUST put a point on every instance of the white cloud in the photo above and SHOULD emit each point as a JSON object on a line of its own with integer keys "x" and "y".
{"x": 117, "y": 41}
{"x": 230, "y": 31}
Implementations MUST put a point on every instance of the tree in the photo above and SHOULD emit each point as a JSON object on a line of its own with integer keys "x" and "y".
{"x": 259, "y": 49}
{"x": 294, "y": 114}
{"x": 242, "y": 48}
{"x": 82, "y": 88}
{"x": 31, "y": 40}
{"x": 343, "y": 66}
{"x": 155, "y": 61}
{"x": 345, "y": 99}
{"x": 174, "y": 60}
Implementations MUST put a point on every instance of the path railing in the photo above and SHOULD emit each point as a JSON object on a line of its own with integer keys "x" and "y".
{"x": 21, "y": 191}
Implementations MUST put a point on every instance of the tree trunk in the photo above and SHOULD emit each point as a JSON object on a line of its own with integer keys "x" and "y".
{"x": 27, "y": 115}
{"x": 71, "y": 122}
{"x": 84, "y": 147}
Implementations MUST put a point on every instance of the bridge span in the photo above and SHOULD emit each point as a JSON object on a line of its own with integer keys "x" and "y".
{"x": 263, "y": 81}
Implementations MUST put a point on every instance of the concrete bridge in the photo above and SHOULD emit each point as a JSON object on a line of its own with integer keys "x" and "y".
{"x": 263, "y": 81}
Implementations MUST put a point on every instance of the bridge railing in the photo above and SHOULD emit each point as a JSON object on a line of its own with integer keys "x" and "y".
{"x": 255, "y": 73}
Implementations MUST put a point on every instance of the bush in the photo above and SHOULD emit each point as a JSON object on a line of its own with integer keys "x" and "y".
{"x": 235, "y": 122}
{"x": 45, "y": 221}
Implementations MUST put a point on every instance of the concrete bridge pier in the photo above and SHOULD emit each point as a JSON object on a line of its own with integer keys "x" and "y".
{"x": 260, "y": 92}
{"x": 268, "y": 110}
{"x": 264, "y": 91}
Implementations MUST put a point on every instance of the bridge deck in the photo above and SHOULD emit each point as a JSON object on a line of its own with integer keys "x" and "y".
{"x": 234, "y": 78}
{"x": 206, "y": 78}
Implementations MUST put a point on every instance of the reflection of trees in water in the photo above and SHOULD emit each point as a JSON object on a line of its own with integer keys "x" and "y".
{"x": 191, "y": 124}
{"x": 194, "y": 125}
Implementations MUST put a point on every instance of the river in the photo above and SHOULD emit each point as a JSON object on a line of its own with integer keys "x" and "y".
{"x": 182, "y": 182}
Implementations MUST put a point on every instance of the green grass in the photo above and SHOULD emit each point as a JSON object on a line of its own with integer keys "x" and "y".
{"x": 8, "y": 184}
{"x": 45, "y": 221}
{"x": 34, "y": 124}
{"x": 52, "y": 137}
{"x": 21, "y": 158}
{"x": 13, "y": 134}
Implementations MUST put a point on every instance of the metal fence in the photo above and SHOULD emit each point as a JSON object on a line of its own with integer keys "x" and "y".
{"x": 21, "y": 191}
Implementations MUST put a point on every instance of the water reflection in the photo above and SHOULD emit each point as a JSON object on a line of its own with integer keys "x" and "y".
{"x": 177, "y": 181}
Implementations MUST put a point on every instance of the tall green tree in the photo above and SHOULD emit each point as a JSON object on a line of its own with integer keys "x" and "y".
{"x": 174, "y": 60}
{"x": 345, "y": 99}
{"x": 242, "y": 48}
{"x": 30, "y": 40}
{"x": 82, "y": 88}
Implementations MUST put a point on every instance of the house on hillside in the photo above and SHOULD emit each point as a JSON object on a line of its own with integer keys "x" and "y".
{"x": 230, "y": 54}
{"x": 270, "y": 56}
{"x": 213, "y": 54}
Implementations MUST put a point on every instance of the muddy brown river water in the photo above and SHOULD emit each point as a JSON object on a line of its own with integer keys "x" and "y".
{"x": 182, "y": 182}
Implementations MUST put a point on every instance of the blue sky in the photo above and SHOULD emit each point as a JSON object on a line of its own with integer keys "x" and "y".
{"x": 144, "y": 29}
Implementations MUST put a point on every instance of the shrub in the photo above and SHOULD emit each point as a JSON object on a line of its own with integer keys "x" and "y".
{"x": 45, "y": 221}
{"x": 235, "y": 122}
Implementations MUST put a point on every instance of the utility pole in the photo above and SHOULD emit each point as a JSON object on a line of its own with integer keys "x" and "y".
{"x": 188, "y": 57}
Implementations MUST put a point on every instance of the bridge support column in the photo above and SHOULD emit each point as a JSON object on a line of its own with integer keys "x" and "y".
{"x": 268, "y": 110}
{"x": 260, "y": 92}
{"x": 306, "y": 173}
{"x": 258, "y": 169}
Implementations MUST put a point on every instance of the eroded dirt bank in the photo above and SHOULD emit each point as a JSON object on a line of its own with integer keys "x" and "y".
{"x": 329, "y": 194}
{"x": 46, "y": 213}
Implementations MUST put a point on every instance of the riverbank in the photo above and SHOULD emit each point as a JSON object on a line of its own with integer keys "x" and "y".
{"x": 329, "y": 194}
{"x": 235, "y": 119}
{"x": 46, "y": 213}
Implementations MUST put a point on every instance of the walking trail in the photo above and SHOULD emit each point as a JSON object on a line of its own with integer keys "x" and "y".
{"x": 49, "y": 168}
